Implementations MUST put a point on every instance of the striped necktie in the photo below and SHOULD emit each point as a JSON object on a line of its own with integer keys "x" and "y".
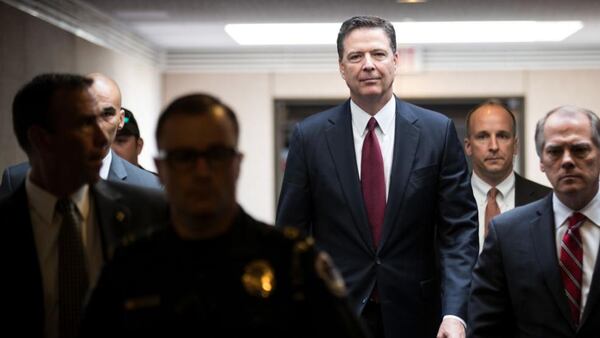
{"x": 72, "y": 271}
{"x": 571, "y": 264}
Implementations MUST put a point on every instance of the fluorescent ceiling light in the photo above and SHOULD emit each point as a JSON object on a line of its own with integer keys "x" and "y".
{"x": 408, "y": 32}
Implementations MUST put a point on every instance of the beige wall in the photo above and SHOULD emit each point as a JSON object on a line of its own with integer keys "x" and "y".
{"x": 252, "y": 95}
{"x": 30, "y": 46}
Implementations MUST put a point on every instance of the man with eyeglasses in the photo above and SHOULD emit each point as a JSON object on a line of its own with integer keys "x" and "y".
{"x": 215, "y": 270}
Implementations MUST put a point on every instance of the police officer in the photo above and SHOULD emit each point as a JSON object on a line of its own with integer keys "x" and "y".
{"x": 216, "y": 271}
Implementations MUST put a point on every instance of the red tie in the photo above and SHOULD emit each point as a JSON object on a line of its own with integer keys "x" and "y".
{"x": 373, "y": 181}
{"x": 571, "y": 264}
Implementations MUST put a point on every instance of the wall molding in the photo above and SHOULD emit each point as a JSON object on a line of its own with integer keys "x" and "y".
{"x": 91, "y": 24}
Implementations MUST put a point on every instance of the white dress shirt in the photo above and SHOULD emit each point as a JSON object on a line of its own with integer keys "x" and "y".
{"x": 105, "y": 168}
{"x": 46, "y": 225}
{"x": 386, "y": 120}
{"x": 505, "y": 199}
{"x": 590, "y": 236}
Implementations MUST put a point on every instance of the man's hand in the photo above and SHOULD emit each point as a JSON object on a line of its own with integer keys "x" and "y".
{"x": 451, "y": 328}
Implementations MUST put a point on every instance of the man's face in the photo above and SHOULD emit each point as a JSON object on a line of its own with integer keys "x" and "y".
{"x": 109, "y": 101}
{"x": 491, "y": 143}
{"x": 76, "y": 142}
{"x": 128, "y": 147}
{"x": 569, "y": 157}
{"x": 368, "y": 64}
{"x": 201, "y": 187}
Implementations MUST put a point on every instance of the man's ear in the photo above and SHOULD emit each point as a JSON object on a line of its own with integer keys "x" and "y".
{"x": 159, "y": 170}
{"x": 121, "y": 117}
{"x": 237, "y": 165}
{"x": 139, "y": 145}
{"x": 467, "y": 145}
{"x": 516, "y": 148}
{"x": 39, "y": 139}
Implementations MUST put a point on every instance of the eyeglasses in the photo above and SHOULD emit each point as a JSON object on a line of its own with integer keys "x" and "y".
{"x": 182, "y": 159}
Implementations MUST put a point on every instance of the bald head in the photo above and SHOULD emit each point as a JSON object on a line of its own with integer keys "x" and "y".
{"x": 108, "y": 95}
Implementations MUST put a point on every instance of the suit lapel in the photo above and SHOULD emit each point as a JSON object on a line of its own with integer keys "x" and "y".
{"x": 113, "y": 218}
{"x": 406, "y": 140}
{"x": 544, "y": 241}
{"x": 341, "y": 146}
{"x": 117, "y": 170}
{"x": 521, "y": 192}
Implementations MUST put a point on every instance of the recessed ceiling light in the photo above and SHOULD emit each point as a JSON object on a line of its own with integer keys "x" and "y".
{"x": 410, "y": 1}
{"x": 408, "y": 32}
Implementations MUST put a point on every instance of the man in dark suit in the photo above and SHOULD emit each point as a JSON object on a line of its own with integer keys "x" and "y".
{"x": 114, "y": 168}
{"x": 383, "y": 186}
{"x": 61, "y": 224}
{"x": 492, "y": 143}
{"x": 537, "y": 275}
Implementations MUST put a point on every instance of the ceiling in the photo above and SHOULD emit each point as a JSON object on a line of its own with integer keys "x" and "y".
{"x": 198, "y": 24}
{"x": 188, "y": 35}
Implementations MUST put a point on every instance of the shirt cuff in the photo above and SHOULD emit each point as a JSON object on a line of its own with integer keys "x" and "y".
{"x": 457, "y": 318}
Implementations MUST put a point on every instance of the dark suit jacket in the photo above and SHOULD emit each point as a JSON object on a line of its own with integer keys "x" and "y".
{"x": 120, "y": 171}
{"x": 122, "y": 210}
{"x": 527, "y": 191}
{"x": 517, "y": 289}
{"x": 429, "y": 245}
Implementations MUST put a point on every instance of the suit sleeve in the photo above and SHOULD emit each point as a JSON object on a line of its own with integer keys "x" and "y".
{"x": 294, "y": 208}
{"x": 490, "y": 312}
{"x": 104, "y": 310}
{"x": 5, "y": 187}
{"x": 457, "y": 227}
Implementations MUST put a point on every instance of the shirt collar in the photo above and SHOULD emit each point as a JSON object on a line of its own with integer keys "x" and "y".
{"x": 562, "y": 212}
{"x": 106, "y": 165}
{"x": 44, "y": 203}
{"x": 385, "y": 116}
{"x": 504, "y": 187}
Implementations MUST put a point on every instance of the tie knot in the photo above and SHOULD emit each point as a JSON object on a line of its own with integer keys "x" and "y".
{"x": 576, "y": 220}
{"x": 372, "y": 124}
{"x": 492, "y": 192}
{"x": 65, "y": 206}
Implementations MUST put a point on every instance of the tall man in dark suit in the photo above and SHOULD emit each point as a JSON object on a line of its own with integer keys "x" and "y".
{"x": 537, "y": 275}
{"x": 61, "y": 224}
{"x": 492, "y": 143}
{"x": 383, "y": 186}
{"x": 114, "y": 168}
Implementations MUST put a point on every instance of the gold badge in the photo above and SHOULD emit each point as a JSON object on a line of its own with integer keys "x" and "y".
{"x": 259, "y": 278}
{"x": 120, "y": 216}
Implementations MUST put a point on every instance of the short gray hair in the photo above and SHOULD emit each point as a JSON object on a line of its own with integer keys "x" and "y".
{"x": 569, "y": 111}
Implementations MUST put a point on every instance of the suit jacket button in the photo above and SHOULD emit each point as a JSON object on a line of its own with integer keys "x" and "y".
{"x": 377, "y": 261}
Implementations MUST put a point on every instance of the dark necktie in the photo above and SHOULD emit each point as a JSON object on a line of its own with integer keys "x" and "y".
{"x": 571, "y": 264}
{"x": 491, "y": 209}
{"x": 373, "y": 181}
{"x": 72, "y": 272}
